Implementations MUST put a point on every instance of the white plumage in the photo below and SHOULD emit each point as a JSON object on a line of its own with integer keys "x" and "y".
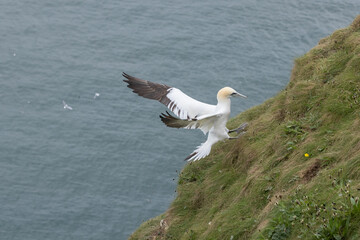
{"x": 191, "y": 113}
{"x": 66, "y": 106}
{"x": 186, "y": 106}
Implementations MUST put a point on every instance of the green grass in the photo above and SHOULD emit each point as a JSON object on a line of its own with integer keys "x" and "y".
{"x": 262, "y": 186}
{"x": 308, "y": 214}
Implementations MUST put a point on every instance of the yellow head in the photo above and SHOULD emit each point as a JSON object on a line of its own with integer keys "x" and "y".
{"x": 228, "y": 92}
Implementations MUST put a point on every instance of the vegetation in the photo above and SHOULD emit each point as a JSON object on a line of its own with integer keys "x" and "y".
{"x": 295, "y": 173}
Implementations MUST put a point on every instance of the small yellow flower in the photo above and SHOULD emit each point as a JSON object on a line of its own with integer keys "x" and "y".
{"x": 306, "y": 155}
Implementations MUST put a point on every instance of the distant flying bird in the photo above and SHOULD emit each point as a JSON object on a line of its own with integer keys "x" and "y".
{"x": 96, "y": 95}
{"x": 67, "y": 106}
{"x": 190, "y": 113}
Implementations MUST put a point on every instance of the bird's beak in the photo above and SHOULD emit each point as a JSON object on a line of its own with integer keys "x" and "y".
{"x": 239, "y": 95}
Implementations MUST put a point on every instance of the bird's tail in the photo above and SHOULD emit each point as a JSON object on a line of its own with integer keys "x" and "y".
{"x": 201, "y": 151}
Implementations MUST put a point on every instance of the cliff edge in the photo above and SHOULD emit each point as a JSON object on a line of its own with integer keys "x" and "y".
{"x": 294, "y": 174}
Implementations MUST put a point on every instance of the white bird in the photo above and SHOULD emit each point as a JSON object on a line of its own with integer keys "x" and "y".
{"x": 191, "y": 114}
{"x": 67, "y": 106}
{"x": 96, "y": 95}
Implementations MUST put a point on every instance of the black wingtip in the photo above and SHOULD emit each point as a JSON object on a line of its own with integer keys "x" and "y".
{"x": 166, "y": 118}
{"x": 125, "y": 76}
{"x": 171, "y": 121}
{"x": 147, "y": 89}
{"x": 190, "y": 156}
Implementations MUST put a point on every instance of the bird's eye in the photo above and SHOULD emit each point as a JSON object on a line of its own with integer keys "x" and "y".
{"x": 233, "y": 94}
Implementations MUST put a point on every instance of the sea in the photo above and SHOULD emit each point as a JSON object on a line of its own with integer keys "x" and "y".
{"x": 81, "y": 156}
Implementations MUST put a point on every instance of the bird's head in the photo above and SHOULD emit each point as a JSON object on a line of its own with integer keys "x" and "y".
{"x": 228, "y": 92}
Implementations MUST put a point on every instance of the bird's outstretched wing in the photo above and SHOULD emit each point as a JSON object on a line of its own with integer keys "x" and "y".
{"x": 148, "y": 89}
{"x": 204, "y": 123}
{"x": 178, "y": 102}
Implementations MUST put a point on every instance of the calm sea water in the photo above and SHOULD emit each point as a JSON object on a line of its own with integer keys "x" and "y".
{"x": 99, "y": 170}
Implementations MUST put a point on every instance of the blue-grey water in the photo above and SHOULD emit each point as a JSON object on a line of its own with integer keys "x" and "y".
{"x": 98, "y": 171}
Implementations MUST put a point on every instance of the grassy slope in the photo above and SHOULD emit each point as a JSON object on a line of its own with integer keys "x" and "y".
{"x": 261, "y": 186}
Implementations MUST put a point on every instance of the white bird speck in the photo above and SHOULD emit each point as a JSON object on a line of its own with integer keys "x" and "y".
{"x": 67, "y": 106}
{"x": 14, "y": 54}
{"x": 96, "y": 95}
{"x": 190, "y": 113}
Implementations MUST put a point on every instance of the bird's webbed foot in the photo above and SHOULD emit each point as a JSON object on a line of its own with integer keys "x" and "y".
{"x": 240, "y": 129}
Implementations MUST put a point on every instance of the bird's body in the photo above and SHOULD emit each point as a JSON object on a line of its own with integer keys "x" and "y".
{"x": 191, "y": 114}
{"x": 66, "y": 106}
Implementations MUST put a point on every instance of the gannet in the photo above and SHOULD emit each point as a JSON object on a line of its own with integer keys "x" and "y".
{"x": 66, "y": 106}
{"x": 190, "y": 113}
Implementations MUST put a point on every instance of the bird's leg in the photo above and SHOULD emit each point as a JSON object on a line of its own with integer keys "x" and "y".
{"x": 241, "y": 128}
{"x": 238, "y": 136}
